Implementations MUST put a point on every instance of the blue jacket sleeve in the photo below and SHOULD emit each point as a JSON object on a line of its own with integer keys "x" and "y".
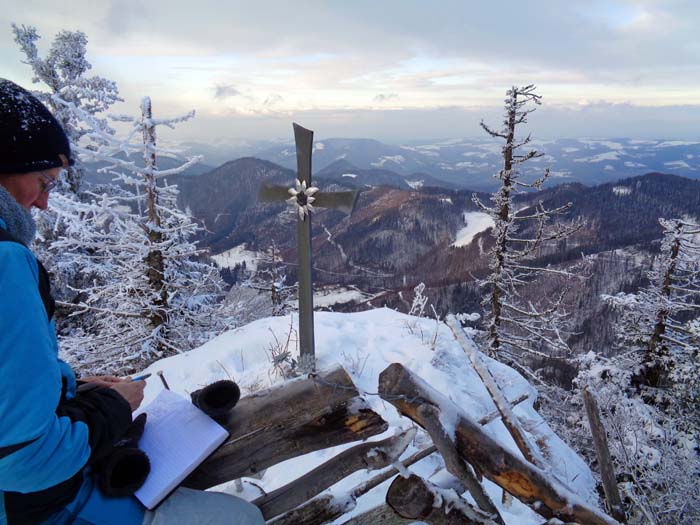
{"x": 44, "y": 438}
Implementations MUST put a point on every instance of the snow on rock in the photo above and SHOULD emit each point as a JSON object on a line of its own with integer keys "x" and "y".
{"x": 476, "y": 222}
{"x": 415, "y": 184}
{"x": 365, "y": 343}
{"x": 238, "y": 255}
{"x": 349, "y": 175}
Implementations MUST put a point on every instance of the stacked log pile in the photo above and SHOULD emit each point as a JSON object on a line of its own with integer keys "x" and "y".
{"x": 326, "y": 410}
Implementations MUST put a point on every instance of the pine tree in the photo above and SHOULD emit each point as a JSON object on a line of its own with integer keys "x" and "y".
{"x": 650, "y": 389}
{"x": 64, "y": 71}
{"x": 148, "y": 291}
{"x": 517, "y": 328}
{"x": 658, "y": 319}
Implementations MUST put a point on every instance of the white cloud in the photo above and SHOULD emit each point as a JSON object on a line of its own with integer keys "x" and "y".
{"x": 225, "y": 92}
{"x": 633, "y": 64}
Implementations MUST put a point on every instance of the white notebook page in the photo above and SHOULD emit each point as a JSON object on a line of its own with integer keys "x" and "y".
{"x": 177, "y": 438}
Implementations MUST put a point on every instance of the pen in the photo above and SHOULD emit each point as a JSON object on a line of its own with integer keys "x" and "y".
{"x": 141, "y": 377}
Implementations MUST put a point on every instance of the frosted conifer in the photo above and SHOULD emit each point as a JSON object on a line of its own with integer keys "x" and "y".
{"x": 148, "y": 290}
{"x": 518, "y": 329}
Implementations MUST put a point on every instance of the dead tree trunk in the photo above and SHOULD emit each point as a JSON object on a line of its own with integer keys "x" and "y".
{"x": 293, "y": 419}
{"x": 600, "y": 440}
{"x": 655, "y": 365}
{"x": 496, "y": 414}
{"x": 523, "y": 480}
{"x": 154, "y": 259}
{"x": 509, "y": 420}
{"x": 418, "y": 499}
{"x": 372, "y": 456}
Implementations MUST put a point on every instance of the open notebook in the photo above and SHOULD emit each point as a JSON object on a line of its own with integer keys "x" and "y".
{"x": 177, "y": 438}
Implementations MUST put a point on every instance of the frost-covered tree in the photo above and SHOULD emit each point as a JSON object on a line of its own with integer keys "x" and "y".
{"x": 655, "y": 456}
{"x": 658, "y": 320}
{"x": 147, "y": 291}
{"x": 67, "y": 87}
{"x": 519, "y": 328}
{"x": 649, "y": 391}
{"x": 64, "y": 71}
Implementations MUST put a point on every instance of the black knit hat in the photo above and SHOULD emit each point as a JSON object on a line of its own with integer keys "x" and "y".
{"x": 31, "y": 139}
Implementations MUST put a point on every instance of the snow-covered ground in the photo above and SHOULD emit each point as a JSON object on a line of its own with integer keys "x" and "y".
{"x": 476, "y": 222}
{"x": 364, "y": 344}
{"x": 338, "y": 295}
{"x": 238, "y": 255}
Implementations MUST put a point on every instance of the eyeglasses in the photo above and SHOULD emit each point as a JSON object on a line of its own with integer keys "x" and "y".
{"x": 49, "y": 182}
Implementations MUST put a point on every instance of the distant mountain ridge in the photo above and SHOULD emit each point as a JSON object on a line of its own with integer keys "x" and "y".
{"x": 401, "y": 229}
{"x": 399, "y": 237}
{"x": 343, "y": 171}
{"x": 472, "y": 163}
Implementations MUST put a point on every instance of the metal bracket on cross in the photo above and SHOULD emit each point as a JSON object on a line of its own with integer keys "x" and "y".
{"x": 306, "y": 198}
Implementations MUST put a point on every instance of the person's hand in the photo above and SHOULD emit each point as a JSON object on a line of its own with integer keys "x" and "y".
{"x": 132, "y": 391}
{"x": 105, "y": 381}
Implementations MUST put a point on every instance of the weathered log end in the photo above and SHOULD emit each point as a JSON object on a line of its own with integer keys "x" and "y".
{"x": 410, "y": 498}
{"x": 392, "y": 380}
{"x": 418, "y": 499}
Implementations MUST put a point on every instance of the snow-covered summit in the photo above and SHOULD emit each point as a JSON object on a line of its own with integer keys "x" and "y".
{"x": 365, "y": 343}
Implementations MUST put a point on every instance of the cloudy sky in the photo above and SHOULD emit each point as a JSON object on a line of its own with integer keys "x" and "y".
{"x": 387, "y": 69}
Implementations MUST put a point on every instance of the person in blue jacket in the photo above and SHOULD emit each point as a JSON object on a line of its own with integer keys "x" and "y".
{"x": 52, "y": 434}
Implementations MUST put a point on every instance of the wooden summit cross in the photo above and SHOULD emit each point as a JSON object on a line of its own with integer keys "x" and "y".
{"x": 302, "y": 197}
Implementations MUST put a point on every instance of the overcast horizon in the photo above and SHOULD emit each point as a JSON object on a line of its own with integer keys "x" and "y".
{"x": 392, "y": 71}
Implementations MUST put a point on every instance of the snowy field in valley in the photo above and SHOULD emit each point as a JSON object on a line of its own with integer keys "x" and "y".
{"x": 364, "y": 344}
{"x": 238, "y": 255}
{"x": 329, "y": 297}
{"x": 476, "y": 222}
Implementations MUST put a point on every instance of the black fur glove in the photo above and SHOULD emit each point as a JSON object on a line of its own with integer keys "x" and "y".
{"x": 126, "y": 467}
{"x": 218, "y": 399}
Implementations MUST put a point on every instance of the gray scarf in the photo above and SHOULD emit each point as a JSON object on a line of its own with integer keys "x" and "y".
{"x": 18, "y": 219}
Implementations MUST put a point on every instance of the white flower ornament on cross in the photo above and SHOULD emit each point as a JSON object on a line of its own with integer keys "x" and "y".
{"x": 302, "y": 197}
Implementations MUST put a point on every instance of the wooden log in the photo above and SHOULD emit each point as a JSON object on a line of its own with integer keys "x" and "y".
{"x": 455, "y": 465}
{"x": 418, "y": 499}
{"x": 326, "y": 507}
{"x": 528, "y": 450}
{"x": 321, "y": 509}
{"x": 382, "y": 515}
{"x": 290, "y": 420}
{"x": 523, "y": 480}
{"x": 372, "y": 456}
{"x": 607, "y": 473}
